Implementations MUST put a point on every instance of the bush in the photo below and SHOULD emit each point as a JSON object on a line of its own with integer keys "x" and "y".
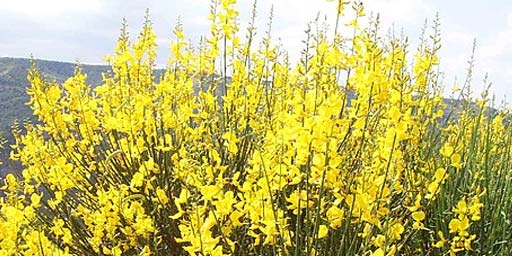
{"x": 235, "y": 151}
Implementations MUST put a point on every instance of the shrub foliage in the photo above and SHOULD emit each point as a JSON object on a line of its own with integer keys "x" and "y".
{"x": 237, "y": 151}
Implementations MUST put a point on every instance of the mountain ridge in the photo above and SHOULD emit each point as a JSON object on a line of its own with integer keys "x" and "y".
{"x": 13, "y": 71}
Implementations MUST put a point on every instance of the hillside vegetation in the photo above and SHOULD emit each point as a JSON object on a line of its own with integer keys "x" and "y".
{"x": 13, "y": 85}
{"x": 237, "y": 151}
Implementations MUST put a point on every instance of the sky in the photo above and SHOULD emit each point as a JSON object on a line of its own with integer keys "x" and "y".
{"x": 86, "y": 31}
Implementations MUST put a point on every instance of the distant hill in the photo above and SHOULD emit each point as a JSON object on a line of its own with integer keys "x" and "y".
{"x": 13, "y": 84}
{"x": 13, "y": 71}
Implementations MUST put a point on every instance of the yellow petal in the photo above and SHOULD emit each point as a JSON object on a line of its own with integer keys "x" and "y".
{"x": 418, "y": 216}
{"x": 322, "y": 231}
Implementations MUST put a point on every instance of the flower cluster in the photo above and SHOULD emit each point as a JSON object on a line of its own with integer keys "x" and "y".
{"x": 234, "y": 150}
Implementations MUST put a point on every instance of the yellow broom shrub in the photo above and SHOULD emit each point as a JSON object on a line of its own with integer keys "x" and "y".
{"x": 235, "y": 150}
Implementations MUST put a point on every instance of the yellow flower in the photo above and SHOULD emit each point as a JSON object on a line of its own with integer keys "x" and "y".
{"x": 35, "y": 200}
{"x": 162, "y": 197}
{"x": 137, "y": 180}
{"x": 378, "y": 252}
{"x": 231, "y": 139}
{"x": 440, "y": 174}
{"x": 335, "y": 216}
{"x": 209, "y": 191}
{"x": 299, "y": 201}
{"x": 418, "y": 216}
{"x": 322, "y": 231}
{"x": 456, "y": 161}
{"x": 395, "y": 231}
{"x": 224, "y": 205}
{"x": 254, "y": 151}
{"x": 441, "y": 242}
{"x": 417, "y": 204}
{"x": 459, "y": 225}
{"x": 474, "y": 209}
{"x": 418, "y": 225}
{"x": 446, "y": 150}
{"x": 461, "y": 208}
{"x": 10, "y": 182}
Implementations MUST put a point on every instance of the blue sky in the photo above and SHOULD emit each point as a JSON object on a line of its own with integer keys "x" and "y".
{"x": 70, "y": 30}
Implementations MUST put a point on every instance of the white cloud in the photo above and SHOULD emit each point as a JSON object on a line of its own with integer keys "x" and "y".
{"x": 400, "y": 12}
{"x": 49, "y": 8}
{"x": 71, "y": 29}
{"x": 455, "y": 52}
{"x": 492, "y": 56}
{"x": 495, "y": 58}
{"x": 509, "y": 19}
{"x": 290, "y": 19}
